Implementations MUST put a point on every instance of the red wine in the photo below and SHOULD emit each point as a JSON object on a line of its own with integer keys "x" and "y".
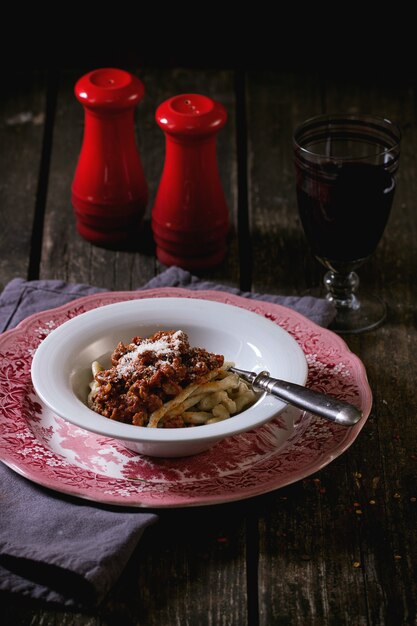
{"x": 344, "y": 210}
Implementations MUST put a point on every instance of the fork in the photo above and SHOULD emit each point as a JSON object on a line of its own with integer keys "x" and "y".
{"x": 330, "y": 408}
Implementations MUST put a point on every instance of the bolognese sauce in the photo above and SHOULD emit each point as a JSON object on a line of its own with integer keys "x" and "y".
{"x": 147, "y": 373}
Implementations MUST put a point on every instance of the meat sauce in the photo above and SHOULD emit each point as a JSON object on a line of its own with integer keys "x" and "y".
{"x": 147, "y": 373}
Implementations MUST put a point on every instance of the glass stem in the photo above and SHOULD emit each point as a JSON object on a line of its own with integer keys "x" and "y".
{"x": 341, "y": 289}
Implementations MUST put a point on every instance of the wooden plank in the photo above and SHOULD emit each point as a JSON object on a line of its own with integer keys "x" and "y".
{"x": 308, "y": 551}
{"x": 192, "y": 570}
{"x": 339, "y": 548}
{"x": 22, "y": 117}
{"x": 20, "y": 611}
{"x": 65, "y": 254}
{"x": 276, "y": 104}
{"x": 386, "y": 456}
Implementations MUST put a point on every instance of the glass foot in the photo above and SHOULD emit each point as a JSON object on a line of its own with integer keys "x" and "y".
{"x": 369, "y": 313}
{"x": 354, "y": 314}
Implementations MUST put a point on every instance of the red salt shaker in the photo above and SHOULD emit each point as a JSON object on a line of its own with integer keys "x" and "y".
{"x": 190, "y": 217}
{"x": 109, "y": 190}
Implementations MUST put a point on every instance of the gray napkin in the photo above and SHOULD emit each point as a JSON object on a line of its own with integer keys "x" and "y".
{"x": 21, "y": 298}
{"x": 318, "y": 310}
{"x": 67, "y": 550}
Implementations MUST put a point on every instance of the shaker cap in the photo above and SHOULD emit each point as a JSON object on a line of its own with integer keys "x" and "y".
{"x": 109, "y": 88}
{"x": 191, "y": 114}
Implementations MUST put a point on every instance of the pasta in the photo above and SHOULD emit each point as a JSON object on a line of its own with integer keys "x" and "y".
{"x": 162, "y": 382}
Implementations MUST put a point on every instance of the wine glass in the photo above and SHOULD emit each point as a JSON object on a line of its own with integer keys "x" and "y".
{"x": 345, "y": 172}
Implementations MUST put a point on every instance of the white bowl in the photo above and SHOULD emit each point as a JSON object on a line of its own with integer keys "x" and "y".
{"x": 61, "y": 367}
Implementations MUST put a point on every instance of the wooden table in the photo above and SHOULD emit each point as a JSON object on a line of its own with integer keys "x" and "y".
{"x": 339, "y": 547}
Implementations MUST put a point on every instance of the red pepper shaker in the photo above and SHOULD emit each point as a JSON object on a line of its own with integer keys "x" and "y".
{"x": 190, "y": 217}
{"x": 109, "y": 190}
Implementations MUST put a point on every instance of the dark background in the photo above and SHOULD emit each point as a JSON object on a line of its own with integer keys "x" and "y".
{"x": 348, "y": 43}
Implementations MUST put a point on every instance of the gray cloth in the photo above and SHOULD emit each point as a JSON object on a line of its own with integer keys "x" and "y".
{"x": 20, "y": 298}
{"x": 62, "y": 549}
{"x": 318, "y": 310}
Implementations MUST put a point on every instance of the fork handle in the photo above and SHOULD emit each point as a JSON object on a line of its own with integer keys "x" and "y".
{"x": 315, "y": 402}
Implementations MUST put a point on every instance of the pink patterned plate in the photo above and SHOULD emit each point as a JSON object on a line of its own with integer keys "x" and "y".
{"x": 52, "y": 452}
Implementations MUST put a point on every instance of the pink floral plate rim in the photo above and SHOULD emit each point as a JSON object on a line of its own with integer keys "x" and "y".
{"x": 55, "y": 454}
